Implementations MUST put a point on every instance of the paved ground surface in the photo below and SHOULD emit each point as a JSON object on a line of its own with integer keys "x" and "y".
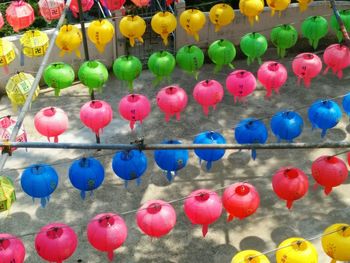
{"x": 263, "y": 231}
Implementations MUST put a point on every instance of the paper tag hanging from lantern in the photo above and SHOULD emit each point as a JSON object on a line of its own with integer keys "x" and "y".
{"x": 7, "y": 194}
{"x": 69, "y": 39}
{"x": 7, "y": 125}
{"x": 34, "y": 44}
{"x": 1, "y": 21}
{"x": 100, "y": 32}
{"x": 51, "y": 9}
{"x": 19, "y": 15}
{"x": 7, "y": 54}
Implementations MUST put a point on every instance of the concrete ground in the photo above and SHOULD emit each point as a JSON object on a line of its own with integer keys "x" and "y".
{"x": 263, "y": 231}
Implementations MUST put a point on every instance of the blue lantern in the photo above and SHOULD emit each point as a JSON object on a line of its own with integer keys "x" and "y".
{"x": 86, "y": 174}
{"x": 39, "y": 181}
{"x": 287, "y": 125}
{"x": 171, "y": 160}
{"x": 346, "y": 104}
{"x": 209, "y": 155}
{"x": 130, "y": 165}
{"x": 324, "y": 114}
{"x": 249, "y": 131}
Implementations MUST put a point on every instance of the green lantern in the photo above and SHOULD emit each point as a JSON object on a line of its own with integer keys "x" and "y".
{"x": 283, "y": 37}
{"x": 314, "y": 28}
{"x": 127, "y": 68}
{"x": 222, "y": 52}
{"x": 93, "y": 74}
{"x": 345, "y": 17}
{"x": 7, "y": 193}
{"x": 161, "y": 64}
{"x": 59, "y": 76}
{"x": 253, "y": 45}
{"x": 190, "y": 58}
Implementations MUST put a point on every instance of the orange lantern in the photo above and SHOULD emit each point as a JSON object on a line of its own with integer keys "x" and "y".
{"x": 51, "y": 9}
{"x": 1, "y": 21}
{"x": 141, "y": 3}
{"x": 19, "y": 15}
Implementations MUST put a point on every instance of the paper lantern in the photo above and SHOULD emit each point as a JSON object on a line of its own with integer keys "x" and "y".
{"x": 86, "y": 174}
{"x": 100, "y": 32}
{"x": 156, "y": 218}
{"x": 221, "y": 15}
{"x": 132, "y": 27}
{"x": 2, "y": 23}
{"x": 253, "y": 45}
{"x": 272, "y": 75}
{"x": 345, "y": 17}
{"x": 208, "y": 93}
{"x": 51, "y": 9}
{"x": 329, "y": 172}
{"x": 296, "y": 250}
{"x": 34, "y": 44}
{"x": 337, "y": 58}
{"x": 203, "y": 207}
{"x": 161, "y": 64}
{"x": 336, "y": 242}
{"x": 222, "y": 52}
{"x": 141, "y": 3}
{"x": 7, "y": 125}
{"x": 283, "y": 37}
{"x": 18, "y": 87}
{"x": 314, "y": 28}
{"x": 240, "y": 83}
{"x": 107, "y": 232}
{"x": 172, "y": 100}
{"x": 113, "y": 5}
{"x": 240, "y": 200}
{"x": 164, "y": 23}
{"x": 85, "y": 4}
{"x": 11, "y": 249}
{"x": 251, "y": 9}
{"x": 250, "y": 256}
{"x": 287, "y": 125}
{"x": 346, "y": 104}
{"x": 69, "y": 39}
{"x": 59, "y": 75}
{"x": 278, "y": 5}
{"x": 304, "y": 4}
{"x": 134, "y": 107}
{"x": 7, "y": 195}
{"x": 192, "y": 21}
{"x": 127, "y": 68}
{"x": 306, "y": 66}
{"x": 170, "y": 2}
{"x": 209, "y": 155}
{"x": 324, "y": 114}
{"x": 39, "y": 181}
{"x": 171, "y": 161}
{"x": 19, "y": 15}
{"x": 129, "y": 165}
{"x": 7, "y": 54}
{"x": 93, "y": 74}
{"x": 190, "y": 59}
{"x": 56, "y": 242}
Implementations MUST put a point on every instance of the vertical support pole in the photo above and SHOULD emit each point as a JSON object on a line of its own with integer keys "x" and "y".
{"x": 340, "y": 23}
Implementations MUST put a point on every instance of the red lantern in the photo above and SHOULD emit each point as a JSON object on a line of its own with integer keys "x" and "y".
{"x": 19, "y": 15}
{"x": 11, "y": 249}
{"x": 336, "y": 57}
{"x": 1, "y": 21}
{"x": 240, "y": 200}
{"x": 51, "y": 9}
{"x": 306, "y": 66}
{"x": 106, "y": 232}
{"x": 113, "y": 5}
{"x": 141, "y": 3}
{"x": 329, "y": 172}
{"x": 86, "y": 5}
{"x": 290, "y": 184}
{"x": 56, "y": 242}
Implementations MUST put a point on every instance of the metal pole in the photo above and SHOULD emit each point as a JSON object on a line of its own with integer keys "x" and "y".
{"x": 340, "y": 22}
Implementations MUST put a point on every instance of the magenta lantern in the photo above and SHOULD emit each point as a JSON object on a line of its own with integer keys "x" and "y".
{"x": 113, "y": 5}
{"x": 19, "y": 15}
{"x": 306, "y": 66}
{"x": 56, "y": 242}
{"x": 172, "y": 100}
{"x": 51, "y": 9}
{"x": 240, "y": 200}
{"x": 329, "y": 172}
{"x": 7, "y": 124}
{"x": 96, "y": 115}
{"x": 134, "y": 107}
{"x": 272, "y": 75}
{"x": 51, "y": 122}
{"x": 203, "y": 207}
{"x": 240, "y": 83}
{"x": 1, "y": 21}
{"x": 107, "y": 232}
{"x": 156, "y": 218}
{"x": 337, "y": 58}
{"x": 11, "y": 249}
{"x": 208, "y": 93}
{"x": 86, "y": 5}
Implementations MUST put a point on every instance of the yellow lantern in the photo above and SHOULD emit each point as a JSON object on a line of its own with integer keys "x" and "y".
{"x": 100, "y": 32}
{"x": 34, "y": 43}
{"x": 278, "y": 5}
{"x": 132, "y": 27}
{"x": 7, "y": 193}
{"x": 250, "y": 256}
{"x": 296, "y": 250}
{"x": 192, "y": 21}
{"x": 7, "y": 53}
{"x": 336, "y": 242}
{"x": 304, "y": 4}
{"x": 251, "y": 9}
{"x": 69, "y": 39}
{"x": 163, "y": 23}
{"x": 221, "y": 15}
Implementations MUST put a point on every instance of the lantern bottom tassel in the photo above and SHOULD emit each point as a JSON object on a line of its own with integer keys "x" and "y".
{"x": 110, "y": 255}
{"x": 82, "y": 195}
{"x": 169, "y": 176}
{"x": 327, "y": 190}
{"x": 253, "y": 154}
{"x": 205, "y": 230}
{"x": 289, "y": 204}
{"x": 209, "y": 165}
{"x": 230, "y": 218}
{"x": 43, "y": 201}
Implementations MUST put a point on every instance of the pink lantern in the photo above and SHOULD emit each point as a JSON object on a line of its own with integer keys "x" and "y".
{"x": 240, "y": 200}
{"x": 240, "y": 83}
{"x": 156, "y": 218}
{"x": 107, "y": 232}
{"x": 113, "y": 5}
{"x": 56, "y": 242}
{"x": 208, "y": 93}
{"x": 86, "y": 5}
{"x": 51, "y": 122}
{"x": 51, "y": 9}
{"x": 6, "y": 127}
{"x": 1, "y": 21}
{"x": 203, "y": 207}
{"x": 134, "y": 107}
{"x": 306, "y": 66}
{"x": 19, "y": 15}
{"x": 336, "y": 57}
{"x": 96, "y": 115}
{"x": 11, "y": 249}
{"x": 172, "y": 100}
{"x": 272, "y": 75}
